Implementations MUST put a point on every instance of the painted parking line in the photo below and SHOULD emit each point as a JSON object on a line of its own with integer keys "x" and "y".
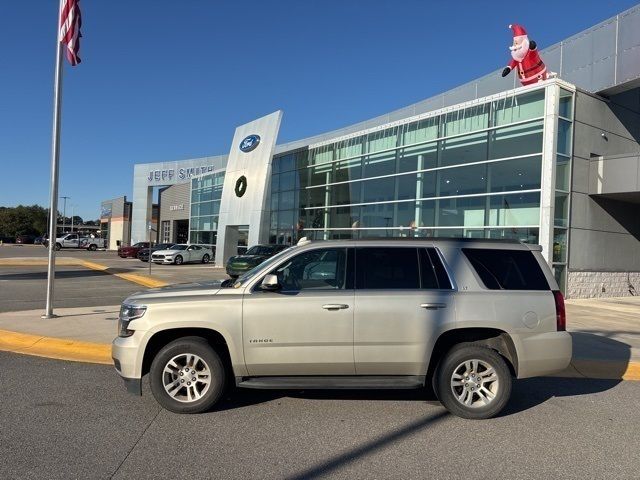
{"x": 56, "y": 348}
{"x": 144, "y": 280}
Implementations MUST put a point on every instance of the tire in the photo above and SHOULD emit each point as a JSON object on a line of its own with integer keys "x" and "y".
{"x": 460, "y": 394}
{"x": 57, "y": 247}
{"x": 177, "y": 397}
{"x": 93, "y": 247}
{"x": 205, "y": 258}
{"x": 178, "y": 260}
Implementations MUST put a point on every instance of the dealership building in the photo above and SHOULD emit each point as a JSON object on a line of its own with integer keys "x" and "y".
{"x": 556, "y": 163}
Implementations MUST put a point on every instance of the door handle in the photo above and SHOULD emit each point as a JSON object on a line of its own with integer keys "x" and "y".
{"x": 335, "y": 306}
{"x": 433, "y": 306}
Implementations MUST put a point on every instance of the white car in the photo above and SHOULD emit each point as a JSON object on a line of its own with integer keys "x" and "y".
{"x": 183, "y": 253}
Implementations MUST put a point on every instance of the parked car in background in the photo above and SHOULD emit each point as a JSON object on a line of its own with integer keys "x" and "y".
{"x": 40, "y": 240}
{"x": 253, "y": 257}
{"x": 131, "y": 251}
{"x": 75, "y": 240}
{"x": 183, "y": 253}
{"x": 463, "y": 315}
{"x": 143, "y": 254}
{"x": 25, "y": 239}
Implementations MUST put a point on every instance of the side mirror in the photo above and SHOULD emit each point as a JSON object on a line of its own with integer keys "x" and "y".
{"x": 270, "y": 283}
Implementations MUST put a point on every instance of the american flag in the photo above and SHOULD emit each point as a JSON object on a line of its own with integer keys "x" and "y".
{"x": 69, "y": 34}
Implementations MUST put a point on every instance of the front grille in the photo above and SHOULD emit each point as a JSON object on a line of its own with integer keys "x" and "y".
{"x": 157, "y": 257}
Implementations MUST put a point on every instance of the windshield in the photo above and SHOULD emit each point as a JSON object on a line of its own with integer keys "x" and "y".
{"x": 267, "y": 263}
{"x": 178, "y": 247}
{"x": 261, "y": 250}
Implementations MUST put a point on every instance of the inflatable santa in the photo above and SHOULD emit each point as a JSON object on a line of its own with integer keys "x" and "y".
{"x": 531, "y": 68}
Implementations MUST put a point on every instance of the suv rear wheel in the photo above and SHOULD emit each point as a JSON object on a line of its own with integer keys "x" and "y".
{"x": 187, "y": 376}
{"x": 473, "y": 381}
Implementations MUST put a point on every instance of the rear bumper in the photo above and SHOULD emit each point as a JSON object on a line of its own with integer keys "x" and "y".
{"x": 543, "y": 353}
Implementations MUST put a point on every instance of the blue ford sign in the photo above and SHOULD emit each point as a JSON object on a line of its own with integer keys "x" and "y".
{"x": 249, "y": 143}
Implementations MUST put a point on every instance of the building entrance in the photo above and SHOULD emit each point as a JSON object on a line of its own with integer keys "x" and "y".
{"x": 181, "y": 229}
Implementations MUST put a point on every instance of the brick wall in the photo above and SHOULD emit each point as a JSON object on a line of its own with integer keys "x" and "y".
{"x": 602, "y": 284}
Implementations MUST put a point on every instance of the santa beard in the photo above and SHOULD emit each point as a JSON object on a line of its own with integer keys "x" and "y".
{"x": 518, "y": 53}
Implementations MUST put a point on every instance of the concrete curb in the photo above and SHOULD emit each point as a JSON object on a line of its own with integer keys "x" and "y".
{"x": 144, "y": 280}
{"x": 87, "y": 352}
{"x": 56, "y": 348}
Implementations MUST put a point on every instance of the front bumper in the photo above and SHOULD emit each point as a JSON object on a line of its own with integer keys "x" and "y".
{"x": 543, "y": 353}
{"x": 164, "y": 261}
{"x": 124, "y": 352}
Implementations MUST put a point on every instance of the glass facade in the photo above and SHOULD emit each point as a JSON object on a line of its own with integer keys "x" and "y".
{"x": 206, "y": 193}
{"x": 471, "y": 172}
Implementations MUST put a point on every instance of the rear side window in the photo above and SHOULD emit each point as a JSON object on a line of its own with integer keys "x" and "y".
{"x": 507, "y": 269}
{"x": 380, "y": 268}
{"x": 432, "y": 272}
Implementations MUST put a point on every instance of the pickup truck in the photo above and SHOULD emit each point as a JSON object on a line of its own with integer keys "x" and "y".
{"x": 74, "y": 240}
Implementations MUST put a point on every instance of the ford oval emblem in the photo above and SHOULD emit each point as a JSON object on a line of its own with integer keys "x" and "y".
{"x": 250, "y": 143}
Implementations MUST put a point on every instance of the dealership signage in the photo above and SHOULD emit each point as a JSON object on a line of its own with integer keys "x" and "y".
{"x": 173, "y": 208}
{"x": 170, "y": 174}
{"x": 249, "y": 143}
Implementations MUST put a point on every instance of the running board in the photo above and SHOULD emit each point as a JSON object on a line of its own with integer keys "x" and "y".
{"x": 391, "y": 382}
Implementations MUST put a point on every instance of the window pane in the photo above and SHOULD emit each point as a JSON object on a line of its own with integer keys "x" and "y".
{"x": 514, "y": 210}
{"x": 517, "y": 140}
{"x": 350, "y": 147}
{"x": 318, "y": 197}
{"x": 463, "y": 180}
{"x": 380, "y": 215}
{"x": 467, "y": 120}
{"x": 566, "y": 104}
{"x": 464, "y": 212}
{"x": 287, "y": 163}
{"x": 275, "y": 183}
{"x": 523, "y": 107}
{"x": 526, "y": 235}
{"x": 286, "y": 220}
{"x": 443, "y": 278}
{"x": 379, "y": 190}
{"x": 315, "y": 218}
{"x": 320, "y": 175}
{"x": 420, "y": 131}
{"x": 415, "y": 214}
{"x": 559, "y": 245}
{"x": 344, "y": 217}
{"x": 387, "y": 268}
{"x": 344, "y": 193}
{"x": 563, "y": 172}
{"x": 288, "y": 180}
{"x": 348, "y": 170}
{"x": 519, "y": 174}
{"x": 470, "y": 148}
{"x": 507, "y": 269}
{"x": 287, "y": 200}
{"x": 564, "y": 137}
{"x": 561, "y": 211}
{"x": 416, "y": 185}
{"x": 418, "y": 158}
{"x": 274, "y": 202}
{"x": 380, "y": 164}
{"x": 428, "y": 277}
{"x": 560, "y": 273}
{"x": 321, "y": 155}
{"x": 313, "y": 270}
{"x": 382, "y": 140}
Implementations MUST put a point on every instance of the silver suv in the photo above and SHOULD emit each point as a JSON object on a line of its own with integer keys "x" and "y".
{"x": 462, "y": 316}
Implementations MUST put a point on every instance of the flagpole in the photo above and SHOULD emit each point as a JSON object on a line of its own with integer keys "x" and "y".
{"x": 55, "y": 164}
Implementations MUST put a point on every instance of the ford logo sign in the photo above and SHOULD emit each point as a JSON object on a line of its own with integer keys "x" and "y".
{"x": 250, "y": 143}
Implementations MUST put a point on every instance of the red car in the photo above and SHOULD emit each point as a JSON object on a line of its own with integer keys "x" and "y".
{"x": 132, "y": 251}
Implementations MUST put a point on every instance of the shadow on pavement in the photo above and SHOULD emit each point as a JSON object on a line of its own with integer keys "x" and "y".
{"x": 599, "y": 356}
{"x": 60, "y": 274}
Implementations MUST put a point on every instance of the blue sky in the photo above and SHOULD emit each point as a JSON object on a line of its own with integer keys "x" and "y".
{"x": 166, "y": 80}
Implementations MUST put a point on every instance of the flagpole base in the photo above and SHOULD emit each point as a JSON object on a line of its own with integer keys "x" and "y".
{"x": 45, "y": 316}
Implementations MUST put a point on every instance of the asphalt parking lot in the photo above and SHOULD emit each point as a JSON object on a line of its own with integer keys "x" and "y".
{"x": 24, "y": 287}
{"x": 64, "y": 419}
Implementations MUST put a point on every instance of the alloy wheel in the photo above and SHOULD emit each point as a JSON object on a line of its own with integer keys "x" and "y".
{"x": 474, "y": 383}
{"x": 186, "y": 378}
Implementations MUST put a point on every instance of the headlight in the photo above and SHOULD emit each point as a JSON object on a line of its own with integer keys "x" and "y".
{"x": 128, "y": 313}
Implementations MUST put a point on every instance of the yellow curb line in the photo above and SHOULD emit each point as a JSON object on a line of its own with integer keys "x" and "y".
{"x": 57, "y": 348}
{"x": 602, "y": 369}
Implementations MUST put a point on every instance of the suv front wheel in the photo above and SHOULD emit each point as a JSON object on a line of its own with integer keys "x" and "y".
{"x": 473, "y": 381}
{"x": 187, "y": 376}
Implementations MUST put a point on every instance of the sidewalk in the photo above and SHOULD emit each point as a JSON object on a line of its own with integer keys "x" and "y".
{"x": 605, "y": 332}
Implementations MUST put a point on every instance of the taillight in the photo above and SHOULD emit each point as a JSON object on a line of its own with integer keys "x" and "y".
{"x": 561, "y": 314}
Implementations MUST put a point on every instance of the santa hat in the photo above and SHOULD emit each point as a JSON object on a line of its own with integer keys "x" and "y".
{"x": 518, "y": 30}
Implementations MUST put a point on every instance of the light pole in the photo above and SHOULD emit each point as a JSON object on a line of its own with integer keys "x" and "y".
{"x": 72, "y": 208}
{"x": 64, "y": 213}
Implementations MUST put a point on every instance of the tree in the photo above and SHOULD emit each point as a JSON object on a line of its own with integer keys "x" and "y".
{"x": 23, "y": 220}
